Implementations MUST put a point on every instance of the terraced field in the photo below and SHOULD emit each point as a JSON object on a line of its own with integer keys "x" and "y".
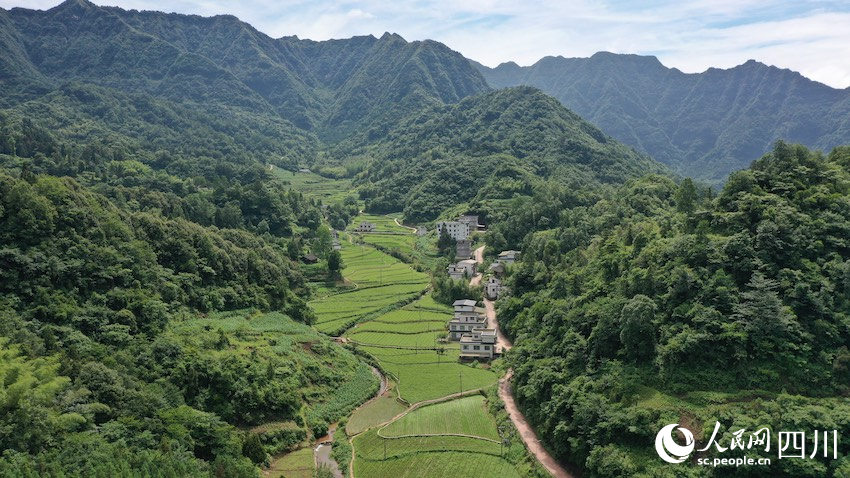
{"x": 379, "y": 283}
{"x": 296, "y": 464}
{"x": 406, "y": 342}
{"x": 380, "y": 313}
{"x": 376, "y": 412}
{"x": 464, "y": 416}
{"x": 313, "y": 186}
{"x": 396, "y": 450}
{"x": 438, "y": 464}
{"x": 393, "y": 238}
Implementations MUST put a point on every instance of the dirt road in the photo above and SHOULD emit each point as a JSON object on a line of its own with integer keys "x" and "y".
{"x": 526, "y": 432}
{"x": 506, "y": 393}
{"x": 502, "y": 342}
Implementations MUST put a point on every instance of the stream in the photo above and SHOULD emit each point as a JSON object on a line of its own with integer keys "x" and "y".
{"x": 324, "y": 447}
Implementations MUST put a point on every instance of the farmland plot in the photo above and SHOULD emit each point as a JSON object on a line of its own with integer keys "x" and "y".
{"x": 464, "y": 416}
{"x": 443, "y": 464}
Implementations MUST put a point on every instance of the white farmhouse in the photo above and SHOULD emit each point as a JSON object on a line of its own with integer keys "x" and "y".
{"x": 467, "y": 318}
{"x": 492, "y": 288}
{"x": 365, "y": 226}
{"x": 479, "y": 344}
{"x": 456, "y": 230}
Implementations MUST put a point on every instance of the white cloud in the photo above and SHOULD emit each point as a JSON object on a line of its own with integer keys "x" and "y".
{"x": 809, "y": 36}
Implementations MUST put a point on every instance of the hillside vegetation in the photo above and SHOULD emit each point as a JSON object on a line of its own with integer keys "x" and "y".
{"x": 664, "y": 303}
{"x": 494, "y": 146}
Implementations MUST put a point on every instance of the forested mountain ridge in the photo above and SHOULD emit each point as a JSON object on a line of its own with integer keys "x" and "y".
{"x": 703, "y": 125}
{"x": 491, "y": 146}
{"x": 328, "y": 87}
{"x": 665, "y": 303}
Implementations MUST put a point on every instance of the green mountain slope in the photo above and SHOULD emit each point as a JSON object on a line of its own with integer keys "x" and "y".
{"x": 662, "y": 303}
{"x": 329, "y": 87}
{"x": 498, "y": 143}
{"x": 703, "y": 125}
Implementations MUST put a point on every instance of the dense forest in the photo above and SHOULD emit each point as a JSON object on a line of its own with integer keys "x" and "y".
{"x": 491, "y": 147}
{"x": 667, "y": 303}
{"x": 119, "y": 262}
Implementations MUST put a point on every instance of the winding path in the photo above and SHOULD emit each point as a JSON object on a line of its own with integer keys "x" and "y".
{"x": 526, "y": 432}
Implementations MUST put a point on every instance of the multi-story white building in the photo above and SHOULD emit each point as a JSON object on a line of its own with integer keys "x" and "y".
{"x": 479, "y": 344}
{"x": 456, "y": 230}
{"x": 492, "y": 288}
{"x": 467, "y": 317}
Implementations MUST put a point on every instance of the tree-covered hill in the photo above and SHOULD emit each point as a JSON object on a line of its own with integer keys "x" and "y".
{"x": 665, "y": 303}
{"x": 499, "y": 143}
{"x": 327, "y": 87}
{"x": 703, "y": 125}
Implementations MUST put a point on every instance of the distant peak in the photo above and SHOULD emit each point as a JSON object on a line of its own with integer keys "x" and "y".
{"x": 392, "y": 36}
{"x": 75, "y": 3}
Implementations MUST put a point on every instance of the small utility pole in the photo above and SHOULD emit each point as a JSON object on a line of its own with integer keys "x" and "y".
{"x": 461, "y": 383}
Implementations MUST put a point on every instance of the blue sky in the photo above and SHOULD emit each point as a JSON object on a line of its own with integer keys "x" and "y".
{"x": 809, "y": 36}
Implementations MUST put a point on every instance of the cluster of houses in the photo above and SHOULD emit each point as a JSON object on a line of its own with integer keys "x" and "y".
{"x": 469, "y": 327}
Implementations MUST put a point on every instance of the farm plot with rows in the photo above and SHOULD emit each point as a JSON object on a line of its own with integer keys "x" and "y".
{"x": 376, "y": 412}
{"x": 313, "y": 186}
{"x": 406, "y": 345}
{"x": 463, "y": 416}
{"x": 423, "y": 340}
{"x": 380, "y": 282}
{"x": 296, "y": 464}
{"x": 398, "y": 240}
{"x": 370, "y": 445}
{"x": 425, "y": 374}
{"x": 431, "y": 464}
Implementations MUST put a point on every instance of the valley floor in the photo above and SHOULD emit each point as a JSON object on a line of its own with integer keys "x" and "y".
{"x": 433, "y": 418}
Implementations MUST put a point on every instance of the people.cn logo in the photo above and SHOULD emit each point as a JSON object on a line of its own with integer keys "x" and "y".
{"x": 668, "y": 449}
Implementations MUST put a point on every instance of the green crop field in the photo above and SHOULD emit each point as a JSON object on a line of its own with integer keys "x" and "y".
{"x": 439, "y": 455}
{"x": 313, "y": 186}
{"x": 379, "y": 283}
{"x": 376, "y": 412}
{"x": 296, "y": 464}
{"x": 383, "y": 224}
{"x": 437, "y": 464}
{"x": 427, "y": 340}
{"x": 403, "y": 328}
{"x": 397, "y": 239}
{"x": 404, "y": 341}
{"x": 362, "y": 386}
{"x": 464, "y": 416}
{"x": 370, "y": 445}
{"x": 425, "y": 375}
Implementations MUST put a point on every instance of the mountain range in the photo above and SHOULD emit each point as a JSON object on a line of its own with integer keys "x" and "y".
{"x": 329, "y": 88}
{"x": 703, "y": 125}
{"x": 289, "y": 99}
